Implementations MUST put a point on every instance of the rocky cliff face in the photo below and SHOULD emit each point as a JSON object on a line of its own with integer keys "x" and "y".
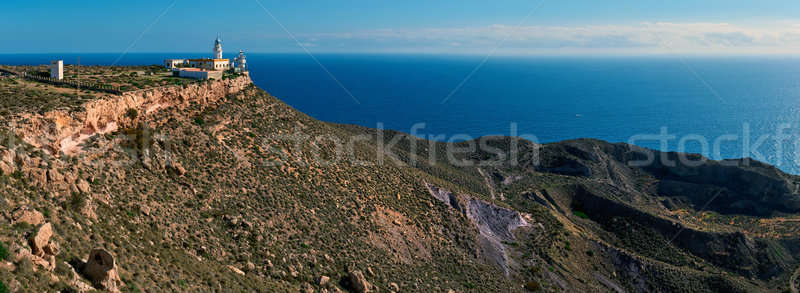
{"x": 35, "y": 144}
{"x": 62, "y": 132}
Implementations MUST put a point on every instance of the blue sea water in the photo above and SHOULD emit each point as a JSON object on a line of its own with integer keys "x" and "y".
{"x": 722, "y": 107}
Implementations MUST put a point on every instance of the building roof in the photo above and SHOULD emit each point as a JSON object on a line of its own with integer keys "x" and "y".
{"x": 191, "y": 69}
{"x": 208, "y": 60}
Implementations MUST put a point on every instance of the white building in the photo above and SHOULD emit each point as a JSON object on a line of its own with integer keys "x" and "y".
{"x": 210, "y": 64}
{"x": 57, "y": 69}
{"x": 206, "y": 68}
{"x": 197, "y": 73}
{"x": 173, "y": 63}
{"x": 218, "y": 48}
{"x": 240, "y": 62}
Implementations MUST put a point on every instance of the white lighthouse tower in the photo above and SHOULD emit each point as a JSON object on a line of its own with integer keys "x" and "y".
{"x": 241, "y": 62}
{"x": 218, "y": 48}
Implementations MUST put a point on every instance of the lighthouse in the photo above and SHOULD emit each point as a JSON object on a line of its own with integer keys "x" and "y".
{"x": 241, "y": 63}
{"x": 218, "y": 48}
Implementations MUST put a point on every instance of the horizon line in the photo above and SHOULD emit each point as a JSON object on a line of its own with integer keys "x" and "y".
{"x": 536, "y": 54}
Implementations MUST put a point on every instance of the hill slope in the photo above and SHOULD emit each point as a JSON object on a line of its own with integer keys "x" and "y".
{"x": 244, "y": 193}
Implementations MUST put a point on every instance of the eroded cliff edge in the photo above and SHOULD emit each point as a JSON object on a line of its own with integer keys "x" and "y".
{"x": 60, "y": 131}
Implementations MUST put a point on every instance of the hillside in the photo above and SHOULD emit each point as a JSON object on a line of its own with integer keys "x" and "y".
{"x": 218, "y": 186}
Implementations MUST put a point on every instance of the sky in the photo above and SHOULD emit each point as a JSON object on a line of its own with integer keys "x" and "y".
{"x": 512, "y": 27}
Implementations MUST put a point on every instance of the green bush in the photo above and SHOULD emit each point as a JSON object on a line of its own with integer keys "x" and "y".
{"x": 3, "y": 251}
{"x": 132, "y": 113}
{"x": 3, "y": 288}
{"x": 581, "y": 214}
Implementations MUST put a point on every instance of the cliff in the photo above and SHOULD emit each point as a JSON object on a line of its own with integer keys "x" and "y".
{"x": 62, "y": 132}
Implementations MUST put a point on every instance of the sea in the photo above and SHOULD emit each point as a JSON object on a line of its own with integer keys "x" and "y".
{"x": 721, "y": 107}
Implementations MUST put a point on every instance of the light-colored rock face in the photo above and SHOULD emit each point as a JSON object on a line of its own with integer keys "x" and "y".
{"x": 495, "y": 224}
{"x": 27, "y": 215}
{"x": 40, "y": 239}
{"x": 59, "y": 131}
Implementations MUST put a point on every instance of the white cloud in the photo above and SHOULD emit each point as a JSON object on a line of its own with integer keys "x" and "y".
{"x": 646, "y": 37}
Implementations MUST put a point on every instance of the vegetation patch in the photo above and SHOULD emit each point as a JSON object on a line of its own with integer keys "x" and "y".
{"x": 4, "y": 254}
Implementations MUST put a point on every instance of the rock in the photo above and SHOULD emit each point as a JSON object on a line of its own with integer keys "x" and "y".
{"x": 75, "y": 281}
{"x": 101, "y": 270}
{"x": 52, "y": 248}
{"x": 83, "y": 186}
{"x": 48, "y": 262}
{"x": 87, "y": 210}
{"x": 177, "y": 168}
{"x": 27, "y": 215}
{"x": 236, "y": 270}
{"x": 5, "y": 169}
{"x": 359, "y": 283}
{"x": 250, "y": 266}
{"x": 54, "y": 175}
{"x": 323, "y": 280}
{"x": 144, "y": 209}
{"x": 394, "y": 287}
{"x": 307, "y": 288}
{"x": 40, "y": 238}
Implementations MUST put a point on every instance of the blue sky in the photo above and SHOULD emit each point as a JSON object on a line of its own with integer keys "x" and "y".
{"x": 390, "y": 26}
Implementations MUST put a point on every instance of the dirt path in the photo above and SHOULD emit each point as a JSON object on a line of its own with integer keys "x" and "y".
{"x": 793, "y": 281}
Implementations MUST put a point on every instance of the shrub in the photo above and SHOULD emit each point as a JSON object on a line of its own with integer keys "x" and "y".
{"x": 78, "y": 201}
{"x": 533, "y": 286}
{"x": 3, "y": 252}
{"x": 132, "y": 113}
{"x": 590, "y": 253}
{"x": 3, "y": 288}
{"x": 581, "y": 214}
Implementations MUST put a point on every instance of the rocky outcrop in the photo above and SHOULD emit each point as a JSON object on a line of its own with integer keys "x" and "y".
{"x": 40, "y": 238}
{"x": 358, "y": 283}
{"x": 59, "y": 131}
{"x": 496, "y": 225}
{"x": 43, "y": 250}
{"x": 101, "y": 270}
{"x": 27, "y": 215}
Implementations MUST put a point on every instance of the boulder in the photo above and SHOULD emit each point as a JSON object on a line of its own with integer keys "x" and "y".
{"x": 236, "y": 270}
{"x": 359, "y": 283}
{"x": 176, "y": 167}
{"x": 40, "y": 238}
{"x": 83, "y": 186}
{"x": 101, "y": 270}
{"x": 323, "y": 280}
{"x": 52, "y": 248}
{"x": 27, "y": 215}
{"x": 5, "y": 169}
{"x": 250, "y": 266}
